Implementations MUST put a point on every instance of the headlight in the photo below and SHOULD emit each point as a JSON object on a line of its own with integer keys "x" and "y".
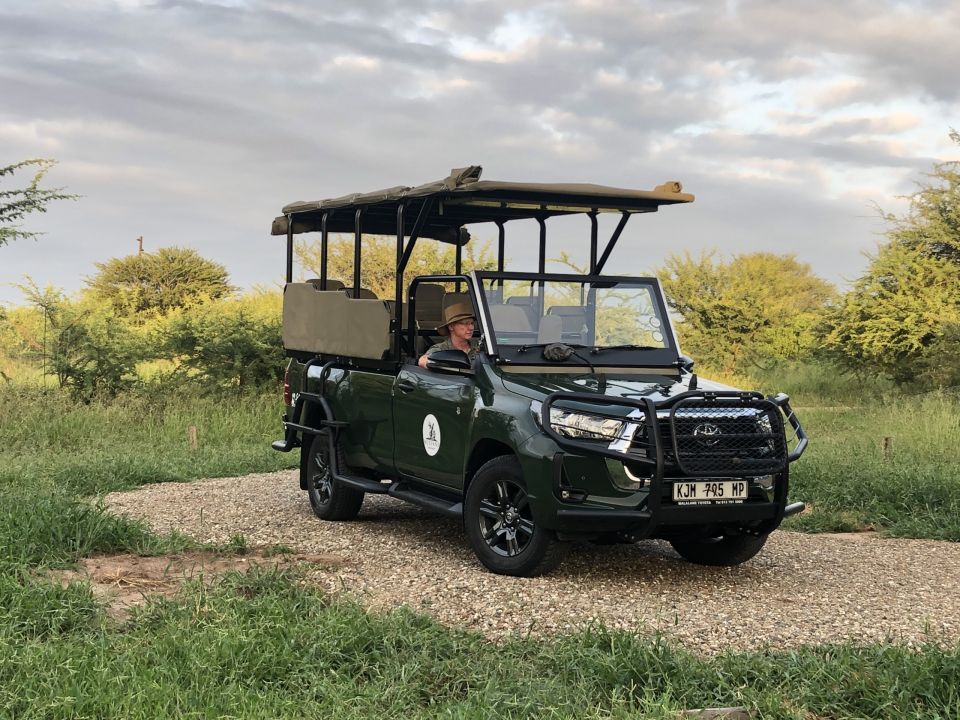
{"x": 573, "y": 424}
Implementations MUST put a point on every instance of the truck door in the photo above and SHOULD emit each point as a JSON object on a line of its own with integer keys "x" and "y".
{"x": 432, "y": 415}
{"x": 362, "y": 399}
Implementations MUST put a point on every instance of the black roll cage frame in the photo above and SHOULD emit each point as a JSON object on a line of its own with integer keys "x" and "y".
{"x": 405, "y": 249}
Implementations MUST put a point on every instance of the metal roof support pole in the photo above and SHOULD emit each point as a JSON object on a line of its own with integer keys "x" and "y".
{"x": 458, "y": 262}
{"x": 356, "y": 253}
{"x": 425, "y": 210}
{"x": 593, "y": 241}
{"x": 398, "y": 287}
{"x": 323, "y": 251}
{"x": 541, "y": 267}
{"x": 613, "y": 241}
{"x": 542, "y": 263}
{"x": 501, "y": 244}
{"x": 290, "y": 248}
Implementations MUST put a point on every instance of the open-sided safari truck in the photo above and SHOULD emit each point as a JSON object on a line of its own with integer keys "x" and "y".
{"x": 578, "y": 417}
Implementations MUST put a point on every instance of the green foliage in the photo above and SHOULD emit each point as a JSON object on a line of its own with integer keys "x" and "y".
{"x": 753, "y": 309}
{"x": 82, "y": 343}
{"x": 260, "y": 644}
{"x": 378, "y": 269}
{"x": 58, "y": 444}
{"x": 900, "y": 317}
{"x": 17, "y": 203}
{"x": 159, "y": 282}
{"x": 230, "y": 343}
{"x": 852, "y": 484}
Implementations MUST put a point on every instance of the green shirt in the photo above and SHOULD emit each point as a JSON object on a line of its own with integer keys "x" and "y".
{"x": 448, "y": 345}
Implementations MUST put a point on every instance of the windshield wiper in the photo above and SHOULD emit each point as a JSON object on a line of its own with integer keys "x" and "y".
{"x": 600, "y": 349}
{"x": 524, "y": 348}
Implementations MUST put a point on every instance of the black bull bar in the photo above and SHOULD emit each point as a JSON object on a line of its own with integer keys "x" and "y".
{"x": 707, "y": 449}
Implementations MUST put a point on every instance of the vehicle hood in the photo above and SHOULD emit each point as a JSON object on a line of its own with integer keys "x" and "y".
{"x": 537, "y": 386}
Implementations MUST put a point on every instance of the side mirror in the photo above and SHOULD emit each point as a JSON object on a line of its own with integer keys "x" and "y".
{"x": 686, "y": 363}
{"x": 450, "y": 361}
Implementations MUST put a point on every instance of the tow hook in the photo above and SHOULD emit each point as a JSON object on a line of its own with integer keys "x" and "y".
{"x": 794, "y": 508}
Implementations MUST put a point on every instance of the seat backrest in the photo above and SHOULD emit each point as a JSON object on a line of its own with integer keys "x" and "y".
{"x": 327, "y": 321}
{"x": 573, "y": 317}
{"x": 530, "y": 305}
{"x": 404, "y": 311}
{"x": 363, "y": 294}
{"x": 430, "y": 305}
{"x": 331, "y": 283}
{"x": 550, "y": 330}
{"x": 456, "y": 297}
{"x": 510, "y": 318}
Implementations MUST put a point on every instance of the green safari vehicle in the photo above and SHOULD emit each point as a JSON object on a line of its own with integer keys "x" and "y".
{"x": 574, "y": 417}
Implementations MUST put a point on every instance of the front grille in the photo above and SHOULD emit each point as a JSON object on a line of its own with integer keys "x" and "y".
{"x": 724, "y": 437}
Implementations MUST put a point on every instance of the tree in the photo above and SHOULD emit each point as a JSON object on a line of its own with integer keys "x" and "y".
{"x": 16, "y": 203}
{"x": 169, "y": 278}
{"x": 379, "y": 261}
{"x": 755, "y": 308}
{"x": 900, "y": 317}
{"x": 229, "y": 343}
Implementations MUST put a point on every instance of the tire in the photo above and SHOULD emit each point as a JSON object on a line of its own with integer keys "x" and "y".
{"x": 329, "y": 499}
{"x": 500, "y": 525}
{"x": 720, "y": 551}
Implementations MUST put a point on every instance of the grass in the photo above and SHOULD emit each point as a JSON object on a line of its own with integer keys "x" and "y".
{"x": 50, "y": 442}
{"x": 913, "y": 490}
{"x": 263, "y": 644}
{"x": 846, "y": 478}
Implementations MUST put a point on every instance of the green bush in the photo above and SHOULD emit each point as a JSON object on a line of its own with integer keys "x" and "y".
{"x": 229, "y": 343}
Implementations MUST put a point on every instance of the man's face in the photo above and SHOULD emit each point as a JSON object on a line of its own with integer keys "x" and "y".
{"x": 462, "y": 329}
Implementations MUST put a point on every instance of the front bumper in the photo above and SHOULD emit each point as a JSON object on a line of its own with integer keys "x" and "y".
{"x": 653, "y": 513}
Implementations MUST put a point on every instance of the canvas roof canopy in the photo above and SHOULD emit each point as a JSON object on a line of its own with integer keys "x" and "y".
{"x": 462, "y": 198}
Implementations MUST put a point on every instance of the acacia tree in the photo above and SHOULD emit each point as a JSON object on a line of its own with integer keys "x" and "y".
{"x": 16, "y": 203}
{"x": 159, "y": 281}
{"x": 754, "y": 308}
{"x": 902, "y": 317}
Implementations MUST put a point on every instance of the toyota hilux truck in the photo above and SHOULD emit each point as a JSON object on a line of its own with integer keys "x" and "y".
{"x": 573, "y": 416}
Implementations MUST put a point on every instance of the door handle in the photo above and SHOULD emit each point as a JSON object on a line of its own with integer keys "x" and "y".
{"x": 406, "y": 386}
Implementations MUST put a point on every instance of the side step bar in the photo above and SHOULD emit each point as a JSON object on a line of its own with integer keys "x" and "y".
{"x": 444, "y": 507}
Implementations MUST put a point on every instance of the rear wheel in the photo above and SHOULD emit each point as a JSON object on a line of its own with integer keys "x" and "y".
{"x": 329, "y": 499}
{"x": 722, "y": 550}
{"x": 500, "y": 524}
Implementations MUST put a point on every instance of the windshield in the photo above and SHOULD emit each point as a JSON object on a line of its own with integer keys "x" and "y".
{"x": 615, "y": 313}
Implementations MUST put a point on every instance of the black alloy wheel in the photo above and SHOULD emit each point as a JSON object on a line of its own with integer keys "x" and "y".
{"x": 329, "y": 499}
{"x": 500, "y": 524}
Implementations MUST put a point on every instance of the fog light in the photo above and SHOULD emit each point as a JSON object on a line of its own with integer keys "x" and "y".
{"x": 765, "y": 482}
{"x": 622, "y": 477}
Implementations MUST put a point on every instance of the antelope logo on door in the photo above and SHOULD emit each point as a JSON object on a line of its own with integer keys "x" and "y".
{"x": 431, "y": 435}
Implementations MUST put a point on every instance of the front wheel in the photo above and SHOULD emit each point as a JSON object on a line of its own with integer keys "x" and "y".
{"x": 500, "y": 525}
{"x": 722, "y": 550}
{"x": 329, "y": 499}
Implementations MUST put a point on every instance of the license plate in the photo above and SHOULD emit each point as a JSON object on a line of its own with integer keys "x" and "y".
{"x": 715, "y": 492}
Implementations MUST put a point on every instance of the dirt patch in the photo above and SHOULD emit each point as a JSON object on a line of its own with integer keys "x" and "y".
{"x": 126, "y": 581}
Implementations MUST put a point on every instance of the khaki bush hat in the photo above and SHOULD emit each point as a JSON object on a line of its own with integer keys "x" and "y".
{"x": 454, "y": 312}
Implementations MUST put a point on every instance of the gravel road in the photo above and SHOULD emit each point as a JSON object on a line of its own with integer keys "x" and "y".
{"x": 801, "y": 589}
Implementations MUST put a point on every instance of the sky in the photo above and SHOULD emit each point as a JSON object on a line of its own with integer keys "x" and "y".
{"x": 193, "y": 123}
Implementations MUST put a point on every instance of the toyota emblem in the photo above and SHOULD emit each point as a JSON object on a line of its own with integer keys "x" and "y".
{"x": 707, "y": 433}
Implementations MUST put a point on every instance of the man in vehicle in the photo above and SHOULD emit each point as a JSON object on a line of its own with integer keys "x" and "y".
{"x": 458, "y": 324}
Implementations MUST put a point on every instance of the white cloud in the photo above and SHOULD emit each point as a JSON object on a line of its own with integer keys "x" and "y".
{"x": 199, "y": 120}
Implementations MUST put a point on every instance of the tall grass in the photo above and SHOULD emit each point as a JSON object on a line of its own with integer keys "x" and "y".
{"x": 912, "y": 489}
{"x": 51, "y": 442}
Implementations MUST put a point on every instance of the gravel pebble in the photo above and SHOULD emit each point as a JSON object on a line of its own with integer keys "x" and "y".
{"x": 802, "y": 589}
